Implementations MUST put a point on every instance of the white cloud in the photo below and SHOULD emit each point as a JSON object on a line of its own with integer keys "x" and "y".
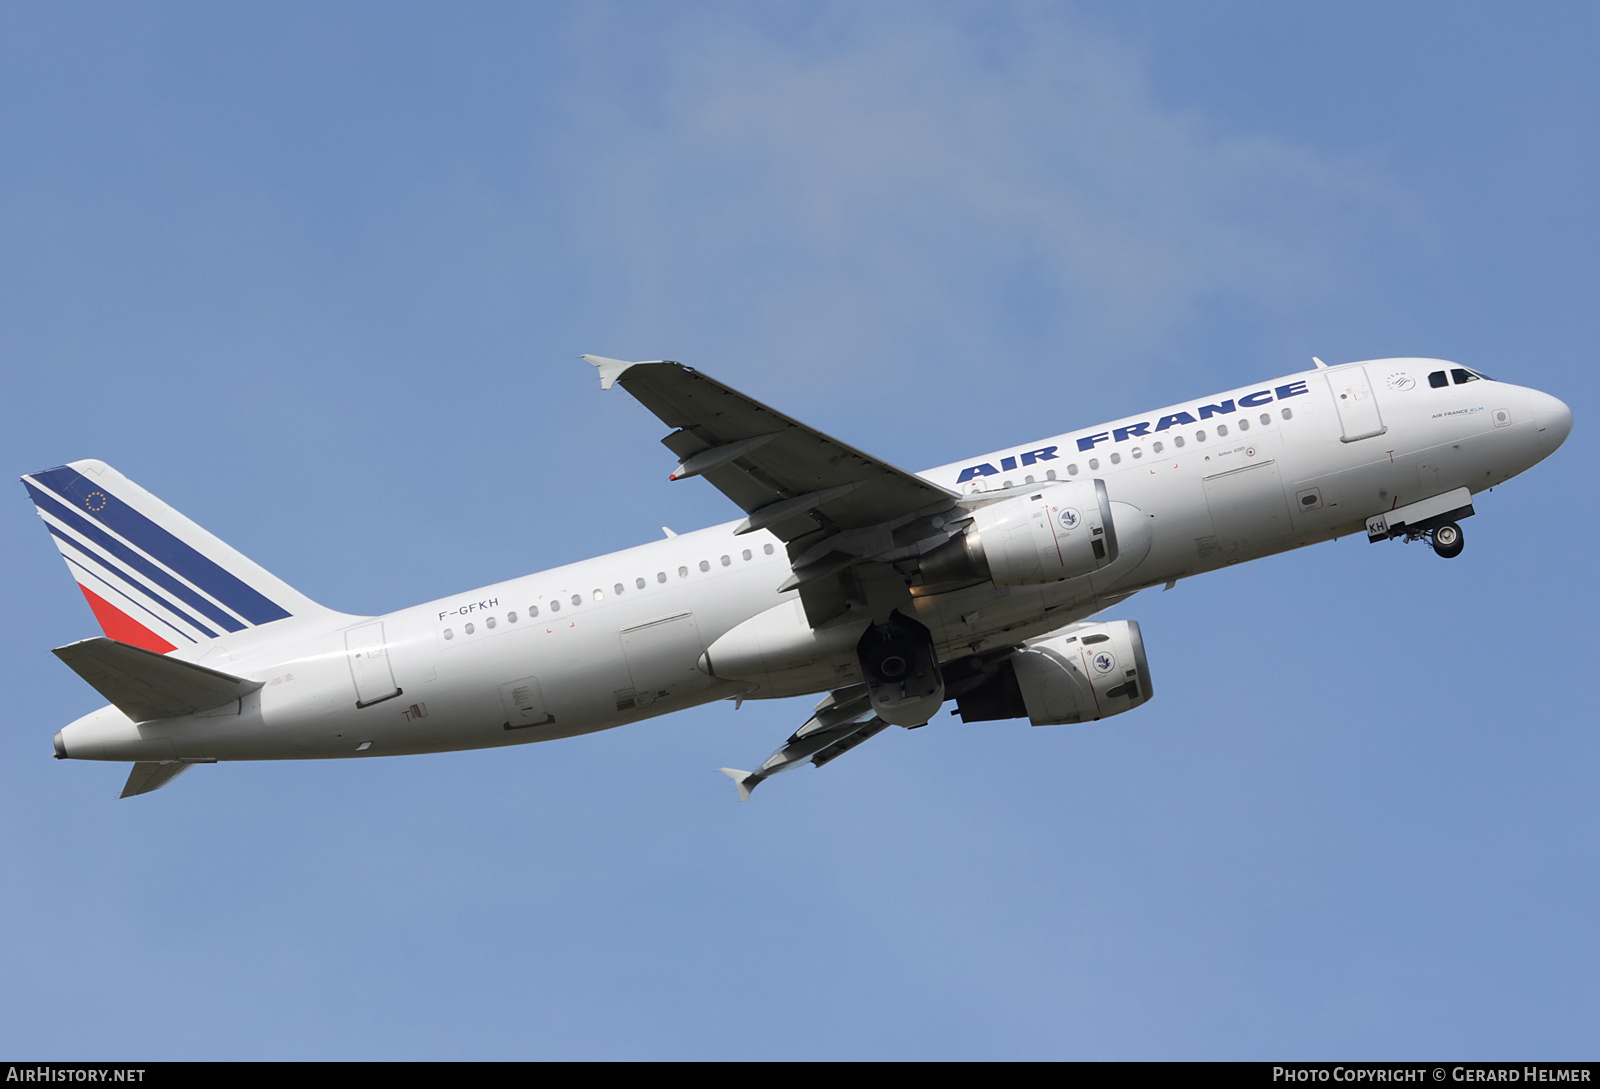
{"x": 889, "y": 185}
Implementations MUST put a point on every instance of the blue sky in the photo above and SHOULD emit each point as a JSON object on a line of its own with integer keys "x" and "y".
{"x": 319, "y": 276}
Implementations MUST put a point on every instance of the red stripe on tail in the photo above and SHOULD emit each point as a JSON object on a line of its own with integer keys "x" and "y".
{"x": 120, "y": 626}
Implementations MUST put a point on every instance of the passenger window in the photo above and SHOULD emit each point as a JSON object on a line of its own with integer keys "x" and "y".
{"x": 1463, "y": 376}
{"x": 767, "y": 549}
{"x": 512, "y": 616}
{"x": 1027, "y": 480}
{"x": 577, "y": 599}
{"x": 1072, "y": 470}
{"x": 705, "y": 565}
{"x": 555, "y": 606}
{"x": 1265, "y": 419}
{"x": 745, "y": 554}
{"x": 1094, "y": 463}
{"x": 1116, "y": 459}
{"x": 470, "y": 629}
{"x": 661, "y": 576}
{"x": 533, "y": 611}
{"x": 617, "y": 589}
{"x": 1177, "y": 440}
{"x": 639, "y": 583}
{"x": 1287, "y": 413}
{"x": 1138, "y": 451}
{"x": 1244, "y": 424}
{"x": 1199, "y": 436}
{"x": 683, "y": 572}
{"x": 1051, "y": 475}
{"x": 726, "y": 561}
{"x": 1222, "y": 431}
{"x": 448, "y": 634}
{"x": 1438, "y": 380}
{"x": 1158, "y": 448}
{"x": 489, "y": 623}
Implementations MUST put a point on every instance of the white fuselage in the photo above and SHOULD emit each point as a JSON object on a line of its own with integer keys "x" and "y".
{"x": 612, "y": 640}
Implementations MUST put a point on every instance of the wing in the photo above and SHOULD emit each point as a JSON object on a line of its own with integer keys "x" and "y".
{"x": 843, "y": 720}
{"x": 845, "y": 516}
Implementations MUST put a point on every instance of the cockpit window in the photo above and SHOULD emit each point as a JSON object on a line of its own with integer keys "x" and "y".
{"x": 1463, "y": 376}
{"x": 1438, "y": 380}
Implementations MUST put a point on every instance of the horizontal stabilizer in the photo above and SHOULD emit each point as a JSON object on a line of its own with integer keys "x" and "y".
{"x": 148, "y": 775}
{"x": 145, "y": 685}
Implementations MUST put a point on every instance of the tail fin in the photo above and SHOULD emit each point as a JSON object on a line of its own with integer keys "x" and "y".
{"x": 153, "y": 578}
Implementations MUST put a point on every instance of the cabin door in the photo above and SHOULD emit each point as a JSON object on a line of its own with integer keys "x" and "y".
{"x": 369, "y": 664}
{"x": 1357, "y": 404}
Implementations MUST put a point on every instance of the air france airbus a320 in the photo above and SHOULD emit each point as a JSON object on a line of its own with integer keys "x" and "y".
{"x": 893, "y": 593}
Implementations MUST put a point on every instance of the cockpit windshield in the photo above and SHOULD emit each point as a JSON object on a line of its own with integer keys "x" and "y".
{"x": 1461, "y": 375}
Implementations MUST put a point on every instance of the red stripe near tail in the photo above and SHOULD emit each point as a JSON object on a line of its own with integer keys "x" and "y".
{"x": 120, "y": 626}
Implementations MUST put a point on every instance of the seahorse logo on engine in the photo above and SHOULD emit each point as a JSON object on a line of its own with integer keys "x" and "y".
{"x": 1069, "y": 518}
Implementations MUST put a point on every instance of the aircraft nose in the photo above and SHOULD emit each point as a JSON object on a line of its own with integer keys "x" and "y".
{"x": 1553, "y": 419}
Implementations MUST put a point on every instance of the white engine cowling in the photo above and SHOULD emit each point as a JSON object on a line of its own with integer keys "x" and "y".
{"x": 1088, "y": 672}
{"x": 1060, "y": 532}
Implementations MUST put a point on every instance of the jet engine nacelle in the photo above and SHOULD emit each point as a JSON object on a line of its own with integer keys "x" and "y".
{"x": 1088, "y": 672}
{"x": 1059, "y": 532}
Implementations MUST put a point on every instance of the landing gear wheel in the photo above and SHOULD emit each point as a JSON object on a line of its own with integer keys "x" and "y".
{"x": 1447, "y": 540}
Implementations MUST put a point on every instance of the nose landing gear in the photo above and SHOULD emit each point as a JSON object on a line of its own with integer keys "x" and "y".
{"x": 1435, "y": 520}
{"x": 1447, "y": 540}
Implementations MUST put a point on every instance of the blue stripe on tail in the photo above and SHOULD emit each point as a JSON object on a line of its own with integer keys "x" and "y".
{"x": 134, "y": 560}
{"x": 132, "y": 526}
{"x": 108, "y": 573}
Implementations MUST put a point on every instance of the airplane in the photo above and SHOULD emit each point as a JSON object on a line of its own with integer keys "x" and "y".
{"x": 889, "y": 593}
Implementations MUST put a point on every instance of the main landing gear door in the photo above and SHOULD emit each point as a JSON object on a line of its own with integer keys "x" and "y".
{"x": 369, "y": 664}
